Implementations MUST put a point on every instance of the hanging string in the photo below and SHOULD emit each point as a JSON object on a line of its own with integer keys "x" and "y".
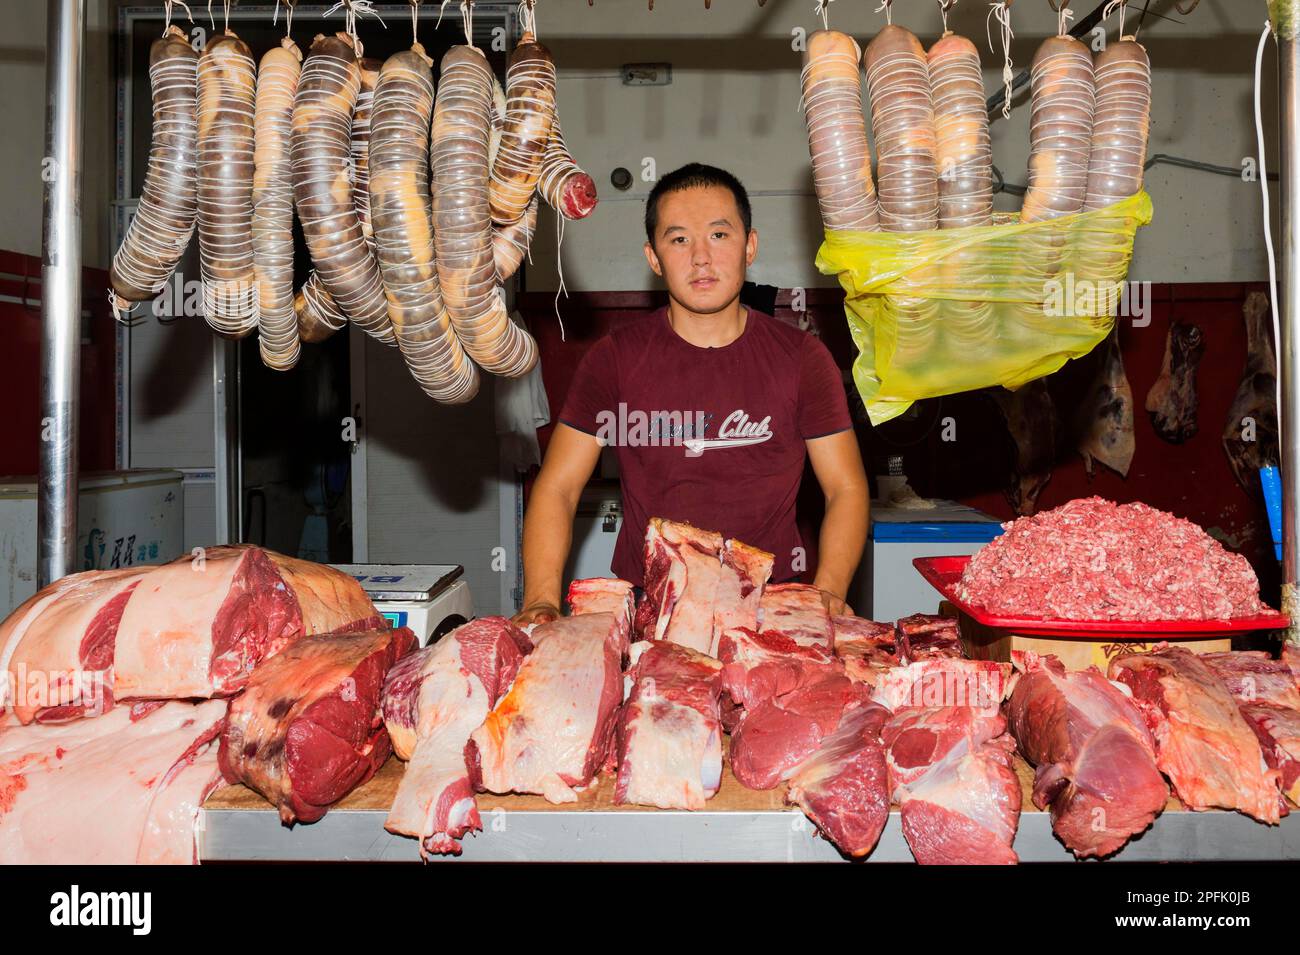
{"x": 1063, "y": 17}
{"x": 415, "y": 22}
{"x": 887, "y": 6}
{"x": 167, "y": 19}
{"x": 352, "y": 10}
{"x": 528, "y": 16}
{"x": 820, "y": 9}
{"x": 944, "y": 7}
{"x": 559, "y": 269}
{"x": 467, "y": 19}
{"x": 1110, "y": 8}
{"x": 288, "y": 16}
{"x": 1001, "y": 12}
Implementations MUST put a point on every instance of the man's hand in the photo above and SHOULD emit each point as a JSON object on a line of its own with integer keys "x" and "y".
{"x": 835, "y": 606}
{"x": 536, "y": 613}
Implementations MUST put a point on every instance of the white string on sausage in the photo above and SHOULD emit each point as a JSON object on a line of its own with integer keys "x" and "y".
{"x": 837, "y": 133}
{"x": 462, "y": 218}
{"x": 227, "y": 78}
{"x": 902, "y": 120}
{"x": 164, "y": 219}
{"x": 323, "y": 193}
{"x": 403, "y": 228}
{"x": 277, "y": 82}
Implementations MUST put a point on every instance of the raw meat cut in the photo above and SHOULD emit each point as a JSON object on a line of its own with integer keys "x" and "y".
{"x": 745, "y": 571}
{"x": 1266, "y": 693}
{"x": 778, "y": 735}
{"x": 759, "y": 666}
{"x": 169, "y": 836}
{"x": 669, "y": 734}
{"x": 433, "y": 700}
{"x": 605, "y": 595}
{"x": 844, "y": 787}
{"x": 61, "y": 661}
{"x": 122, "y": 788}
{"x": 553, "y": 730}
{"x": 1278, "y": 731}
{"x": 1252, "y": 676}
{"x": 1172, "y": 402}
{"x": 944, "y": 681}
{"x": 796, "y": 611}
{"x": 924, "y": 636}
{"x": 1031, "y": 419}
{"x": 307, "y": 730}
{"x": 1095, "y": 759}
{"x": 682, "y": 569}
{"x": 1291, "y": 657}
{"x": 1203, "y": 744}
{"x": 197, "y": 627}
{"x": 1104, "y": 421}
{"x": 1250, "y": 434}
{"x": 950, "y": 772}
{"x": 866, "y": 648}
{"x": 1092, "y": 559}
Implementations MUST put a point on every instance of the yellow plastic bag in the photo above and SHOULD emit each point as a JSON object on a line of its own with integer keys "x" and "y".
{"x": 940, "y": 312}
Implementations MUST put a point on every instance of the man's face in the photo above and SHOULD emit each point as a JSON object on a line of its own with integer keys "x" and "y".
{"x": 700, "y": 248}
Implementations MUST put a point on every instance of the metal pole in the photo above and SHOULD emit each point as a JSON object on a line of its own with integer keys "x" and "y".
{"x": 56, "y": 506}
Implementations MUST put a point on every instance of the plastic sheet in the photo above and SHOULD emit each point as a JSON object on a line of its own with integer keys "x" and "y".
{"x": 945, "y": 311}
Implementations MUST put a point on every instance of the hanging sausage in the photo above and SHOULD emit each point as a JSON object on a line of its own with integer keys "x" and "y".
{"x": 227, "y": 78}
{"x": 902, "y": 120}
{"x": 164, "y": 219}
{"x": 277, "y": 83}
{"x": 837, "y": 132}
{"x": 1060, "y": 129}
{"x": 403, "y": 230}
{"x": 323, "y": 187}
{"x": 462, "y": 218}
{"x": 1120, "y": 126}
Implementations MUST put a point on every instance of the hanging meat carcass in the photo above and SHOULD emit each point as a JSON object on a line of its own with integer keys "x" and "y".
{"x": 1105, "y": 418}
{"x": 1172, "y": 400}
{"x": 1250, "y": 435}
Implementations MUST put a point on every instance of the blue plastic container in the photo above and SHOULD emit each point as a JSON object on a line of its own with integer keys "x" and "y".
{"x": 1272, "y": 484}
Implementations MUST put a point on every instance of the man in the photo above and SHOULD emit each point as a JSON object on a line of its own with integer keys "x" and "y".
{"x": 734, "y": 400}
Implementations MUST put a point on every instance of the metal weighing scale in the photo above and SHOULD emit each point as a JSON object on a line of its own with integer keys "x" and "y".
{"x": 431, "y": 599}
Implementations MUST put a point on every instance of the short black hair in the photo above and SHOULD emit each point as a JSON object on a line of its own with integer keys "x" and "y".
{"x": 691, "y": 176}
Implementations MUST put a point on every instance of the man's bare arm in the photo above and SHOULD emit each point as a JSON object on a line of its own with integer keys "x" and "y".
{"x": 837, "y": 462}
{"x": 571, "y": 456}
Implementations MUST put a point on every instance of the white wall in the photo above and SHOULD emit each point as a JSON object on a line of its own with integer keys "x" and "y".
{"x": 734, "y": 99}
{"x": 22, "y": 77}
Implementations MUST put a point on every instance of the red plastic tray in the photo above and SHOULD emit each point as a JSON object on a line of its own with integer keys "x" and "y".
{"x": 943, "y": 573}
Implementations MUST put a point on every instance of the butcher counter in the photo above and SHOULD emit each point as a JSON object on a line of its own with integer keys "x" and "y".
{"x": 740, "y": 825}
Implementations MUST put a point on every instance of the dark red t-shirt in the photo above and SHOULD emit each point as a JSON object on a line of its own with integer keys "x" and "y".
{"x": 750, "y": 405}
